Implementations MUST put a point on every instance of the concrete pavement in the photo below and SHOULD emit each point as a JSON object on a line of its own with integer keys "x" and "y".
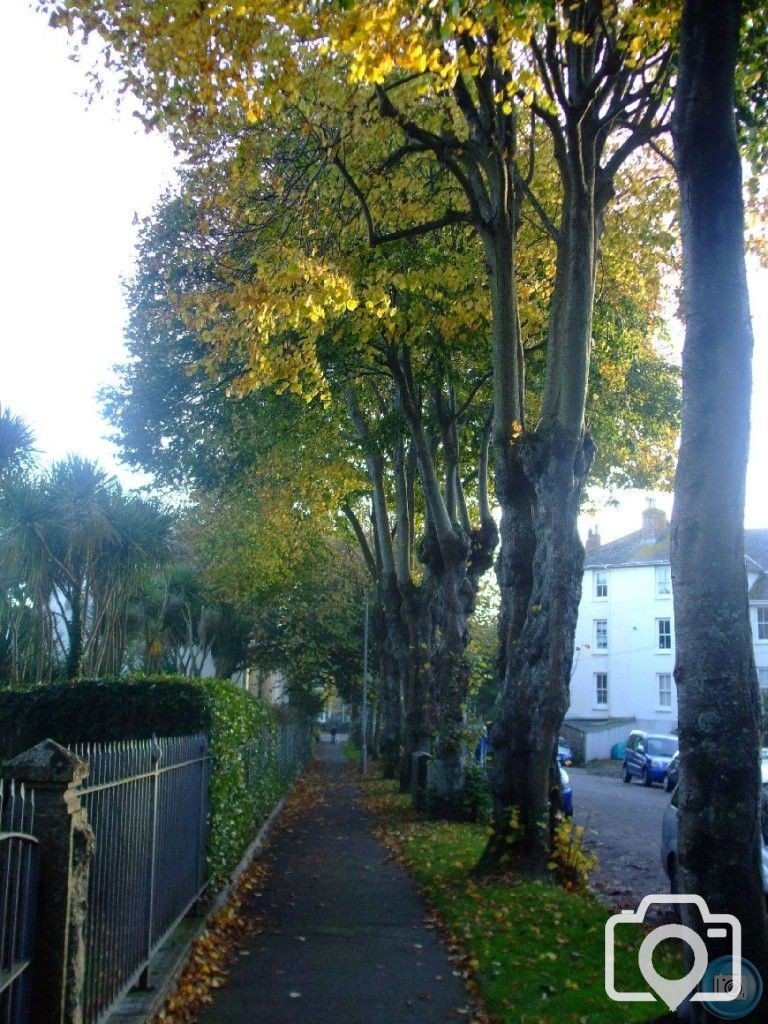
{"x": 343, "y": 939}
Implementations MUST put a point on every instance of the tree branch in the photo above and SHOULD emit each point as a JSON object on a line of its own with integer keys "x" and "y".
{"x": 546, "y": 221}
{"x": 362, "y": 540}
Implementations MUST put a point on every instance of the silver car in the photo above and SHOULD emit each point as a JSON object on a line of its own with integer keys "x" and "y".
{"x": 669, "y": 833}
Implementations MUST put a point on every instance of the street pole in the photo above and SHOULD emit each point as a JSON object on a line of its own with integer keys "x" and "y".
{"x": 364, "y": 715}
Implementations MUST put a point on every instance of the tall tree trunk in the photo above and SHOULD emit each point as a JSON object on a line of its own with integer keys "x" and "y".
{"x": 541, "y": 476}
{"x": 75, "y": 632}
{"x": 535, "y": 695}
{"x": 449, "y": 586}
{"x": 718, "y": 697}
{"x": 391, "y": 675}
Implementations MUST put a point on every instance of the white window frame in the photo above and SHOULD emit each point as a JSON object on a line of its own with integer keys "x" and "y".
{"x": 666, "y": 692}
{"x": 601, "y": 683}
{"x": 600, "y": 648}
{"x": 762, "y": 676}
{"x": 664, "y": 648}
{"x": 663, "y": 580}
{"x": 601, "y": 583}
{"x": 761, "y": 633}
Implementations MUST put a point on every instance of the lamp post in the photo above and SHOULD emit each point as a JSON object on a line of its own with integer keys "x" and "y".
{"x": 364, "y": 712}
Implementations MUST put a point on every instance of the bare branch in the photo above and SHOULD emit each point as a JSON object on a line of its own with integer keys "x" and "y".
{"x": 486, "y": 377}
{"x": 362, "y": 540}
{"x": 549, "y": 226}
{"x": 414, "y": 231}
{"x": 359, "y": 195}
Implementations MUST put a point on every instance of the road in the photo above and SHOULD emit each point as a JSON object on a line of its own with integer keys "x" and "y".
{"x": 623, "y": 828}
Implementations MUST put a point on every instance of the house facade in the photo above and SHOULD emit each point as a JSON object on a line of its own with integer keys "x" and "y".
{"x": 624, "y": 654}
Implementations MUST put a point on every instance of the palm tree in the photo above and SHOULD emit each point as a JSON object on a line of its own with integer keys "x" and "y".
{"x": 78, "y": 546}
{"x": 17, "y": 444}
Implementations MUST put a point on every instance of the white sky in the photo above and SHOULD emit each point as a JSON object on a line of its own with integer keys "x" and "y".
{"x": 72, "y": 179}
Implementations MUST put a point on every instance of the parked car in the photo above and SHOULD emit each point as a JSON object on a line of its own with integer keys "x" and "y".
{"x": 566, "y": 792}
{"x": 564, "y": 752}
{"x": 647, "y": 756}
{"x": 669, "y": 835}
{"x": 673, "y": 773}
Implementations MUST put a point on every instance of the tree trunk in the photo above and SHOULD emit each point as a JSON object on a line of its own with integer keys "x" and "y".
{"x": 390, "y": 678}
{"x": 718, "y": 696}
{"x": 75, "y": 632}
{"x": 416, "y": 610}
{"x": 449, "y": 671}
{"x": 535, "y": 694}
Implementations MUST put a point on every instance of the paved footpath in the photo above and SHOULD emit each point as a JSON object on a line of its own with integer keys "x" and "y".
{"x": 343, "y": 939}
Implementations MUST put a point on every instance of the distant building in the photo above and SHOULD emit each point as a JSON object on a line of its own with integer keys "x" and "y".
{"x": 271, "y": 687}
{"x": 625, "y": 635}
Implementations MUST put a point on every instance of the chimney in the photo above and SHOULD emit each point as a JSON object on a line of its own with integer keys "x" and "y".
{"x": 593, "y": 540}
{"x": 654, "y": 523}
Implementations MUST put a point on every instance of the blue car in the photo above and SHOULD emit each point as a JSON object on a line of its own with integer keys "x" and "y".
{"x": 648, "y": 755}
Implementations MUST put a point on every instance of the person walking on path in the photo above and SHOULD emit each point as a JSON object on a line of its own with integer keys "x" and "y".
{"x": 343, "y": 938}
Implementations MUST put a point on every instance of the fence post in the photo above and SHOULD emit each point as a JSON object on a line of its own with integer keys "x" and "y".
{"x": 66, "y": 848}
{"x": 155, "y": 753}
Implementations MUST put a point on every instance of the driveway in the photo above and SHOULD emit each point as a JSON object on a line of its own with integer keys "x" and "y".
{"x": 623, "y": 828}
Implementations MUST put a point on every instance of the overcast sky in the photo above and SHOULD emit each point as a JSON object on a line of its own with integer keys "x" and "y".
{"x": 73, "y": 178}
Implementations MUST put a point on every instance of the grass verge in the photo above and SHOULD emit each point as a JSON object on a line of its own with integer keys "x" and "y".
{"x": 532, "y": 952}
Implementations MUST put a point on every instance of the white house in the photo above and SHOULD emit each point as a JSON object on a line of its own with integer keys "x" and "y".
{"x": 625, "y": 635}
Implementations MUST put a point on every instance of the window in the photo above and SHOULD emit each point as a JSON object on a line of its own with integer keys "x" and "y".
{"x": 663, "y": 581}
{"x": 664, "y": 633}
{"x": 601, "y": 689}
{"x": 762, "y": 678}
{"x": 762, "y": 623}
{"x": 665, "y": 689}
{"x": 601, "y": 583}
{"x": 601, "y": 634}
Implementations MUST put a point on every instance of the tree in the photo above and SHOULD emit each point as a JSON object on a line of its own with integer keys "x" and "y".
{"x": 453, "y": 83}
{"x": 17, "y": 444}
{"x": 76, "y": 547}
{"x": 718, "y": 696}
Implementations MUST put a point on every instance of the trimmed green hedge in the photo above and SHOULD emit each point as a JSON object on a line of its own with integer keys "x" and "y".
{"x": 245, "y": 781}
{"x": 244, "y": 736}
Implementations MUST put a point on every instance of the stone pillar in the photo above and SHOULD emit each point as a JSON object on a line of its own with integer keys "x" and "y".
{"x": 66, "y": 846}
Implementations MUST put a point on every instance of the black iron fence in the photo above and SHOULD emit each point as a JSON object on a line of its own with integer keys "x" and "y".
{"x": 294, "y": 748}
{"x": 18, "y": 897}
{"x": 147, "y": 803}
{"x": 120, "y": 848}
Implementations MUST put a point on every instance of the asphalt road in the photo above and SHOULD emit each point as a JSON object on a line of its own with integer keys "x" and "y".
{"x": 623, "y": 828}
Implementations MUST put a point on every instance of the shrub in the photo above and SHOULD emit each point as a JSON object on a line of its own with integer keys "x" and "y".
{"x": 101, "y": 711}
{"x": 473, "y": 802}
{"x": 244, "y": 735}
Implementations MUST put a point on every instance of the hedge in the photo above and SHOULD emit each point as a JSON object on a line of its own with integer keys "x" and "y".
{"x": 243, "y": 732}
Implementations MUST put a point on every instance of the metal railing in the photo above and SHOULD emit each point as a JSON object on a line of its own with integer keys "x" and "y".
{"x": 18, "y": 900}
{"x": 294, "y": 749}
{"x": 147, "y": 803}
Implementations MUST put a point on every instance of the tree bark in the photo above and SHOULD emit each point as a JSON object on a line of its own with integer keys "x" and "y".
{"x": 718, "y": 696}
{"x": 540, "y": 478}
{"x": 535, "y": 694}
{"x": 75, "y": 631}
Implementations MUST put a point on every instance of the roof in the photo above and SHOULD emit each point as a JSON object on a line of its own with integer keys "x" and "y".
{"x": 630, "y": 550}
{"x": 634, "y": 550}
{"x": 756, "y": 546}
{"x": 759, "y": 589}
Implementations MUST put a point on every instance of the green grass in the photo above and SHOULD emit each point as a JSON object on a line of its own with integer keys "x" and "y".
{"x": 352, "y": 752}
{"x": 536, "y": 951}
